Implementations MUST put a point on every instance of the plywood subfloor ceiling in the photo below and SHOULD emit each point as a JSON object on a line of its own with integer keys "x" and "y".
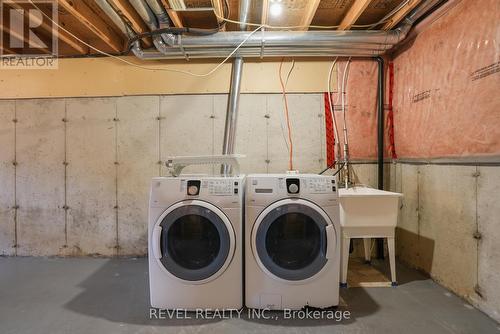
{"x": 83, "y": 20}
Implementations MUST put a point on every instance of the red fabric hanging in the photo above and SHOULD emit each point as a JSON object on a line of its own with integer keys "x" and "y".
{"x": 330, "y": 137}
{"x": 391, "y": 148}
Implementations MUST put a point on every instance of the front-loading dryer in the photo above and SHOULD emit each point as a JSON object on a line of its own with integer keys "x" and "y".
{"x": 195, "y": 239}
{"x": 292, "y": 241}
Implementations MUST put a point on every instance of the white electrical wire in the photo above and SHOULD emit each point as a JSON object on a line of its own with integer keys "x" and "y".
{"x": 332, "y": 105}
{"x": 145, "y": 67}
{"x": 282, "y": 120}
{"x": 344, "y": 83}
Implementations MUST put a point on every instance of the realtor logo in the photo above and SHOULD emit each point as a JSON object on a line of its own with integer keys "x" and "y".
{"x": 28, "y": 39}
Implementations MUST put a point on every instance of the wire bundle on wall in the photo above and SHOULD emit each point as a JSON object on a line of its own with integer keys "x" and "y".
{"x": 287, "y": 117}
{"x": 341, "y": 90}
{"x": 331, "y": 104}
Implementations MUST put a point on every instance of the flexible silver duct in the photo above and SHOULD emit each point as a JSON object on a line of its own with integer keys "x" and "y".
{"x": 160, "y": 42}
{"x": 124, "y": 28}
{"x": 162, "y": 17}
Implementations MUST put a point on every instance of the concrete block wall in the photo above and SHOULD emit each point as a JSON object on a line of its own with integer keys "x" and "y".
{"x": 449, "y": 227}
{"x": 75, "y": 172}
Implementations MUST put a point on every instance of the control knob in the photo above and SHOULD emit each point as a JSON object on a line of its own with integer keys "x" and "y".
{"x": 192, "y": 190}
{"x": 293, "y": 188}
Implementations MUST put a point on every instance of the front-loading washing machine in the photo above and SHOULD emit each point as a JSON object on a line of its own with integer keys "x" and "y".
{"x": 195, "y": 242}
{"x": 292, "y": 241}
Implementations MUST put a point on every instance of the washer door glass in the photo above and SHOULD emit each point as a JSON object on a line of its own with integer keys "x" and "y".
{"x": 291, "y": 241}
{"x": 194, "y": 242}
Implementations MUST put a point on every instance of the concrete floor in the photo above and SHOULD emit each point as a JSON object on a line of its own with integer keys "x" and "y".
{"x": 87, "y": 295}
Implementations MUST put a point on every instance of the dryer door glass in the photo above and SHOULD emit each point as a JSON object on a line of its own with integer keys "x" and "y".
{"x": 291, "y": 242}
{"x": 194, "y": 243}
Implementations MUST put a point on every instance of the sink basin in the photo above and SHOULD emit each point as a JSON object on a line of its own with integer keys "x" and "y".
{"x": 368, "y": 207}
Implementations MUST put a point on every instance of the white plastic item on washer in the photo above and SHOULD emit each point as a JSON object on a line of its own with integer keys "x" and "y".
{"x": 178, "y": 163}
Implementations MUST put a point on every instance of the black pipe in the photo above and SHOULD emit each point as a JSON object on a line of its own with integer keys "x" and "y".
{"x": 380, "y": 139}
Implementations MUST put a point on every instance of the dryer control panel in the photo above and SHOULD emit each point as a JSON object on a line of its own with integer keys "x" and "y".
{"x": 263, "y": 188}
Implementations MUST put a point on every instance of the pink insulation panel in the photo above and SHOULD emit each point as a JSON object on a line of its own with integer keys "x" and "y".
{"x": 361, "y": 111}
{"x": 447, "y": 86}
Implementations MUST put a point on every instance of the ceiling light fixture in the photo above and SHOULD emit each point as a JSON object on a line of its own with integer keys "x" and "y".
{"x": 276, "y": 9}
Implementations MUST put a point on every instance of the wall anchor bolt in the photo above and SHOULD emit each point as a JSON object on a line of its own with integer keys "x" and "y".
{"x": 14, "y": 120}
{"x": 159, "y": 162}
{"x": 116, "y": 119}
{"x": 477, "y": 235}
{"x": 64, "y": 120}
{"x": 14, "y": 163}
{"x": 478, "y": 290}
{"x": 115, "y": 207}
{"x": 267, "y": 116}
{"x": 117, "y": 163}
{"x": 16, "y": 207}
{"x": 476, "y": 174}
{"x": 15, "y": 246}
{"x": 65, "y": 163}
{"x": 268, "y": 161}
{"x": 320, "y": 115}
{"x": 212, "y": 116}
{"x": 65, "y": 207}
{"x": 159, "y": 118}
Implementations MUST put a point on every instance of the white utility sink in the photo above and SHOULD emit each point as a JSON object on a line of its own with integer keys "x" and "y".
{"x": 368, "y": 207}
{"x": 368, "y": 213}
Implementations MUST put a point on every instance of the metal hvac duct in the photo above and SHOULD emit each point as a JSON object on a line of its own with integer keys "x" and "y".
{"x": 355, "y": 43}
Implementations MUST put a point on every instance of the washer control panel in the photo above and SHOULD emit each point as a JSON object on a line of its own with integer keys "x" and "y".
{"x": 219, "y": 187}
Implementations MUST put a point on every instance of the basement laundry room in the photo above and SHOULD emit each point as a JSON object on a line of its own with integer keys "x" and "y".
{"x": 249, "y": 166}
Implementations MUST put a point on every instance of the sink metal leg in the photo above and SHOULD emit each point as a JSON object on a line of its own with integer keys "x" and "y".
{"x": 367, "y": 243}
{"x": 392, "y": 259}
{"x": 345, "y": 261}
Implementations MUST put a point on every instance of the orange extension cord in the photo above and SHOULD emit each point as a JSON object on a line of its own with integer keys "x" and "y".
{"x": 290, "y": 149}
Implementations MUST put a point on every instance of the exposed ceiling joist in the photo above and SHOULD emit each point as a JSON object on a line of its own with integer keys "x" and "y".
{"x": 174, "y": 16}
{"x": 83, "y": 13}
{"x": 353, "y": 14}
{"x": 265, "y": 11}
{"x": 126, "y": 10}
{"x": 219, "y": 9}
{"x": 63, "y": 36}
{"x": 396, "y": 18}
{"x": 6, "y": 50}
{"x": 13, "y": 34}
{"x": 309, "y": 12}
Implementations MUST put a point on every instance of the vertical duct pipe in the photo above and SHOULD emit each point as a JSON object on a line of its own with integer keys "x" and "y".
{"x": 380, "y": 139}
{"x": 232, "y": 111}
{"x": 234, "y": 95}
{"x": 244, "y": 12}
